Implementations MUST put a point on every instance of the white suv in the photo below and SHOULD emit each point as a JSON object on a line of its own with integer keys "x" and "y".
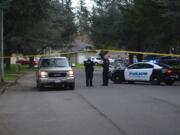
{"x": 97, "y": 60}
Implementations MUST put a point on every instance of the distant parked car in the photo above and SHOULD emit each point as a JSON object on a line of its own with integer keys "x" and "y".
{"x": 23, "y": 62}
{"x": 111, "y": 60}
{"x": 151, "y": 58}
{"x": 27, "y": 62}
{"x": 36, "y": 61}
{"x": 169, "y": 60}
{"x": 96, "y": 60}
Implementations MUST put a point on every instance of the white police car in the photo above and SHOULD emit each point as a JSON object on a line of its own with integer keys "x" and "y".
{"x": 145, "y": 72}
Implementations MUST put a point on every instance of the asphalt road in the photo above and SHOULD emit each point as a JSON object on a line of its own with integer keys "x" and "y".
{"x": 119, "y": 109}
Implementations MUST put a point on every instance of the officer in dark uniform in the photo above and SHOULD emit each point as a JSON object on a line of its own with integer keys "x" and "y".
{"x": 105, "y": 66}
{"x": 89, "y": 69}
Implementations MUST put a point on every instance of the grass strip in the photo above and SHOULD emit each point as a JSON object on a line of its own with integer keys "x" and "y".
{"x": 15, "y": 71}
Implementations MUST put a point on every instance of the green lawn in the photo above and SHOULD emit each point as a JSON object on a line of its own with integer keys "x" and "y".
{"x": 79, "y": 66}
{"x": 12, "y": 73}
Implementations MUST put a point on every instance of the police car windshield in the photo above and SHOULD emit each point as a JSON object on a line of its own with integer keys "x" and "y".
{"x": 54, "y": 62}
{"x": 119, "y": 64}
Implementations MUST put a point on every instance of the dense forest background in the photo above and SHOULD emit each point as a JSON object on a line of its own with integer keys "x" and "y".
{"x": 136, "y": 25}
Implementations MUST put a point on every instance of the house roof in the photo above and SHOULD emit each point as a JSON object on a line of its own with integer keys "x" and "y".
{"x": 81, "y": 46}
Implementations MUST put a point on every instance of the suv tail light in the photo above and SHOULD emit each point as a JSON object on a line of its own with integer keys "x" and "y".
{"x": 169, "y": 71}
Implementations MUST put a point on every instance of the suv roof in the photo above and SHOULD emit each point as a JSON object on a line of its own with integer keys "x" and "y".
{"x": 52, "y": 62}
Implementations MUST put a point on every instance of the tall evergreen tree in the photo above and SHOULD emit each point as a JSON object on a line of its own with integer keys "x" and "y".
{"x": 172, "y": 14}
{"x": 104, "y": 31}
{"x": 83, "y": 19}
{"x": 19, "y": 19}
{"x": 33, "y": 25}
{"x": 137, "y": 25}
{"x": 143, "y": 26}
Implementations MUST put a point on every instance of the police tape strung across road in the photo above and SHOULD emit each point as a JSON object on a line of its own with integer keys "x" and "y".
{"x": 144, "y": 53}
{"x": 108, "y": 50}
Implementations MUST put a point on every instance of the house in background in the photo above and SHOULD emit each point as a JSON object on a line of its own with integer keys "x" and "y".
{"x": 81, "y": 51}
{"x": 77, "y": 53}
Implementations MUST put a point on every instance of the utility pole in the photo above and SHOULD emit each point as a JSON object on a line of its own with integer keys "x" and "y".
{"x": 3, "y": 4}
{"x": 1, "y": 47}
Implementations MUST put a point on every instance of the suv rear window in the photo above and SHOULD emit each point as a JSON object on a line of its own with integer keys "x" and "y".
{"x": 54, "y": 62}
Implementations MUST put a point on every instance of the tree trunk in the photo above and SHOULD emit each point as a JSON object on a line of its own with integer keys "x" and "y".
{"x": 31, "y": 59}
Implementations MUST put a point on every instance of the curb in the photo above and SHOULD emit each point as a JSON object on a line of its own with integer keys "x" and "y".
{"x": 8, "y": 84}
{"x": 5, "y": 87}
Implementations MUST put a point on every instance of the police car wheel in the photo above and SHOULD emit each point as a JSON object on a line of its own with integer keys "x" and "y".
{"x": 117, "y": 79}
{"x": 169, "y": 83}
{"x": 155, "y": 80}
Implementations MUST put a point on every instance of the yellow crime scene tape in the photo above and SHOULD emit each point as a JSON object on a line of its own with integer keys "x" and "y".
{"x": 108, "y": 50}
{"x": 41, "y": 55}
{"x": 144, "y": 53}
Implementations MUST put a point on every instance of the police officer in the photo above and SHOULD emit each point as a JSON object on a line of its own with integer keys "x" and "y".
{"x": 105, "y": 66}
{"x": 89, "y": 69}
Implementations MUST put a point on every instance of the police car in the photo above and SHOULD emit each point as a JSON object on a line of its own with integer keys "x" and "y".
{"x": 145, "y": 72}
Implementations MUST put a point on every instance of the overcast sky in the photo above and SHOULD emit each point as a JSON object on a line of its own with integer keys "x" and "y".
{"x": 76, "y": 2}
